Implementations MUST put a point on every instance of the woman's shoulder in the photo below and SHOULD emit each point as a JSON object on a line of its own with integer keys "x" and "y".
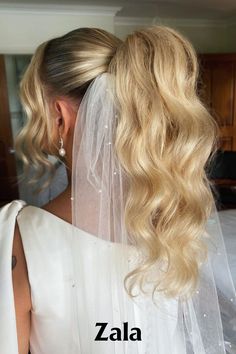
{"x": 14, "y": 205}
{"x": 9, "y": 231}
{"x": 9, "y": 212}
{"x": 60, "y": 206}
{"x": 20, "y": 209}
{"x": 57, "y": 209}
{"x": 12, "y": 258}
{"x": 27, "y": 216}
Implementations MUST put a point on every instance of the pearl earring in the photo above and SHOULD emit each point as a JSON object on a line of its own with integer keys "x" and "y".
{"x": 61, "y": 150}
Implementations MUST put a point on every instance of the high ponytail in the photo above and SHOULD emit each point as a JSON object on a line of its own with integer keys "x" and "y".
{"x": 165, "y": 139}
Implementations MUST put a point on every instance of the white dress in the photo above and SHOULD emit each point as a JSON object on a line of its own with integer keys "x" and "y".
{"x": 55, "y": 328}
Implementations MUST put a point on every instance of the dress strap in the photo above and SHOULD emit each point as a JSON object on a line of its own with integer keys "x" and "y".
{"x": 8, "y": 330}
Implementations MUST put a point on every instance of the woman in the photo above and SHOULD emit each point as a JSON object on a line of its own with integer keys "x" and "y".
{"x": 117, "y": 262}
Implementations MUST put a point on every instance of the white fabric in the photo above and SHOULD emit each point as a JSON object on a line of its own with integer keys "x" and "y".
{"x": 52, "y": 280}
{"x": 228, "y": 224}
{"x": 8, "y": 338}
{"x": 46, "y": 245}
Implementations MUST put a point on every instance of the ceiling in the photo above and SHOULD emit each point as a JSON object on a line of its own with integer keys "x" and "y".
{"x": 187, "y": 9}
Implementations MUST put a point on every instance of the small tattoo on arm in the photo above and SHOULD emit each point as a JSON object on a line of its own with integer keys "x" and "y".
{"x": 13, "y": 262}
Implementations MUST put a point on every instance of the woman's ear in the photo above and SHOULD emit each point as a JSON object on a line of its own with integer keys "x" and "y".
{"x": 59, "y": 121}
{"x": 66, "y": 116}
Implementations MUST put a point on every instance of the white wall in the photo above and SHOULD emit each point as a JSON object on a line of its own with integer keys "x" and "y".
{"x": 22, "y": 29}
{"x": 125, "y": 25}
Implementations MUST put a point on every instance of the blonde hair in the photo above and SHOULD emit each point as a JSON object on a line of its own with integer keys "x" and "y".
{"x": 165, "y": 137}
{"x": 61, "y": 66}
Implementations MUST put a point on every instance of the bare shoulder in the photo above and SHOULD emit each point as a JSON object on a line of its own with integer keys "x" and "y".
{"x": 60, "y": 206}
{"x": 22, "y": 295}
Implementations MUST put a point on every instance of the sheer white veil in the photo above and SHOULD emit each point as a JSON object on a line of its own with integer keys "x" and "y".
{"x": 205, "y": 323}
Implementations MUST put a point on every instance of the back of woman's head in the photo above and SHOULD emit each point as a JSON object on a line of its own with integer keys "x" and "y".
{"x": 164, "y": 139}
{"x": 63, "y": 66}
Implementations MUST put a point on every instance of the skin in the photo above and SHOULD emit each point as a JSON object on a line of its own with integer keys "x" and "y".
{"x": 64, "y": 112}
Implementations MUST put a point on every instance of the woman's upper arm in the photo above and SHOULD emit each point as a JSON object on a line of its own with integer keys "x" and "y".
{"x": 22, "y": 295}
